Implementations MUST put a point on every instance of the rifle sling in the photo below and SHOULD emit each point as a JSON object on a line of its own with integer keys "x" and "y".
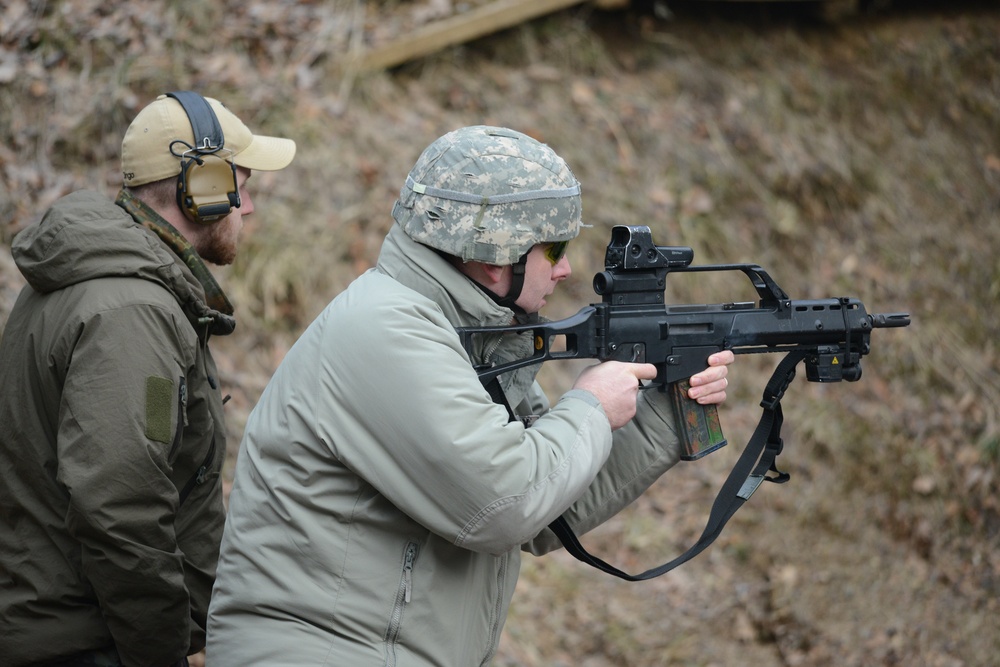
{"x": 757, "y": 459}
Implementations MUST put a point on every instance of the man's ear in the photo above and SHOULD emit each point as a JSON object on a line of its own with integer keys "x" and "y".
{"x": 494, "y": 272}
{"x": 494, "y": 278}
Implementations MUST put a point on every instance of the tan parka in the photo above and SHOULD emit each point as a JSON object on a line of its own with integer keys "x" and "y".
{"x": 381, "y": 499}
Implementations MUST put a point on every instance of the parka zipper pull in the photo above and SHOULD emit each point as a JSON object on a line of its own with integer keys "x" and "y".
{"x": 411, "y": 555}
{"x": 183, "y": 401}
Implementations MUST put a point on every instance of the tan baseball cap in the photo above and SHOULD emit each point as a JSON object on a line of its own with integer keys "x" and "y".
{"x": 146, "y": 154}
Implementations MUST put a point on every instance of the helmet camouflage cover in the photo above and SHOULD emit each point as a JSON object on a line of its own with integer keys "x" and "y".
{"x": 489, "y": 194}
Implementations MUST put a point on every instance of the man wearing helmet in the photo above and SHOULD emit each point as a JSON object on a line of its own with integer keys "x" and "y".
{"x": 381, "y": 497}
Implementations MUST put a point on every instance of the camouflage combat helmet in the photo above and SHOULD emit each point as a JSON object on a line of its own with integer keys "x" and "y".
{"x": 489, "y": 194}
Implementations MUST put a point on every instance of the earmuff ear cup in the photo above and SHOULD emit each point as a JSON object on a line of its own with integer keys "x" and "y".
{"x": 207, "y": 188}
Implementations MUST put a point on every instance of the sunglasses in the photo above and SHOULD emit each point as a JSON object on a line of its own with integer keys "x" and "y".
{"x": 555, "y": 251}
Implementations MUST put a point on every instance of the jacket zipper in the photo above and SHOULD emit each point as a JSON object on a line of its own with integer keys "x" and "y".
{"x": 200, "y": 475}
{"x": 403, "y": 594}
{"x": 497, "y": 609}
{"x": 491, "y": 349}
{"x": 181, "y": 416}
{"x": 202, "y": 472}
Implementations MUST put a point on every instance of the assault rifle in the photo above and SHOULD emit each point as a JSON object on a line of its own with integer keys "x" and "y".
{"x": 632, "y": 323}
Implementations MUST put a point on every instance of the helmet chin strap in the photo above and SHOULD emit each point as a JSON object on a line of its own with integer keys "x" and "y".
{"x": 514, "y": 293}
{"x": 516, "y": 284}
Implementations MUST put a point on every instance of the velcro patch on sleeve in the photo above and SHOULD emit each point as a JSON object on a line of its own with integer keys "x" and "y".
{"x": 159, "y": 400}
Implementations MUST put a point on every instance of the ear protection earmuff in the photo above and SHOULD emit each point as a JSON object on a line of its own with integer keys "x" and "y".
{"x": 207, "y": 189}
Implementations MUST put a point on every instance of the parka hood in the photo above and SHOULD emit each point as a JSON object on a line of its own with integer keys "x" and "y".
{"x": 85, "y": 236}
{"x": 422, "y": 269}
{"x": 82, "y": 237}
{"x": 463, "y": 303}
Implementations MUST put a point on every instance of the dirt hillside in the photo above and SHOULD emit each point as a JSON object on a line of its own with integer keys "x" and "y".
{"x": 852, "y": 158}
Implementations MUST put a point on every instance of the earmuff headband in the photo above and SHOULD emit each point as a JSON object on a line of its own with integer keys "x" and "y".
{"x": 207, "y": 187}
{"x": 208, "y": 137}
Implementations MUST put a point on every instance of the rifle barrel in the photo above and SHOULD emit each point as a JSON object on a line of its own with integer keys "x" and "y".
{"x": 889, "y": 320}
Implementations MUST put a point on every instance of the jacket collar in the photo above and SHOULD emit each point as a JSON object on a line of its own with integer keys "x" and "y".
{"x": 215, "y": 298}
{"x": 463, "y": 303}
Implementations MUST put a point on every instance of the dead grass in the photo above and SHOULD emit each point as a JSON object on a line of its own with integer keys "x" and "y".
{"x": 860, "y": 158}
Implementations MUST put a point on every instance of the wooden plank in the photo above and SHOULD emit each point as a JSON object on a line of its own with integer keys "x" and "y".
{"x": 483, "y": 20}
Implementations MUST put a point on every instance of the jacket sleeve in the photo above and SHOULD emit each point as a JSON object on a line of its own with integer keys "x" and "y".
{"x": 114, "y": 451}
{"x": 643, "y": 450}
{"x": 415, "y": 422}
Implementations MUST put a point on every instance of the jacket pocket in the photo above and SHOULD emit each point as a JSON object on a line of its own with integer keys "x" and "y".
{"x": 403, "y": 593}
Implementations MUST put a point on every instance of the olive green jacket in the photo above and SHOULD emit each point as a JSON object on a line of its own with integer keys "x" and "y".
{"x": 381, "y": 498}
{"x": 111, "y": 442}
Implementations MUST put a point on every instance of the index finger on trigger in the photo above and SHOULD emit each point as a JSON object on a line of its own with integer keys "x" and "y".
{"x": 722, "y": 358}
{"x": 644, "y": 371}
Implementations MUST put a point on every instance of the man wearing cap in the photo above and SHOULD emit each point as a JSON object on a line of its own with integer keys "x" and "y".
{"x": 113, "y": 433}
{"x": 382, "y": 495}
